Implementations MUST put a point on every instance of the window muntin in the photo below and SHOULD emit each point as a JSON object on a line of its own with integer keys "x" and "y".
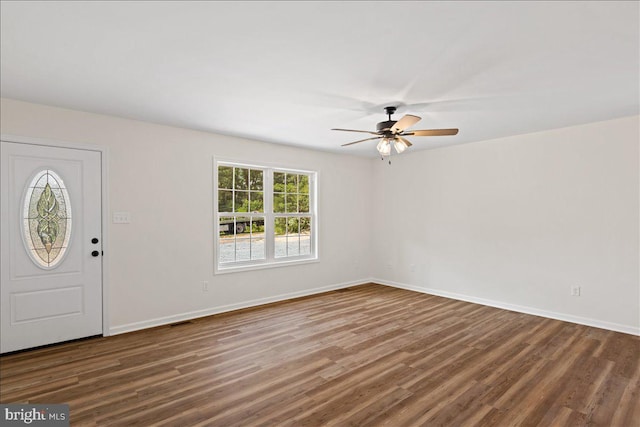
{"x": 46, "y": 219}
{"x": 264, "y": 215}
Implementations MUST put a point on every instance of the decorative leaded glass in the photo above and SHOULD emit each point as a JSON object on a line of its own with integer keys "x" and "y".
{"x": 46, "y": 219}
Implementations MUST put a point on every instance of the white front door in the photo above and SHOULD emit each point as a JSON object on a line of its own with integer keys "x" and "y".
{"x": 51, "y": 245}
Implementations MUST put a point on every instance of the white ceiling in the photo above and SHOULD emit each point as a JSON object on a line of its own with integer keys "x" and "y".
{"x": 287, "y": 72}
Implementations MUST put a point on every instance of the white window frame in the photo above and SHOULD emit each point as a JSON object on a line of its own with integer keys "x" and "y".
{"x": 270, "y": 260}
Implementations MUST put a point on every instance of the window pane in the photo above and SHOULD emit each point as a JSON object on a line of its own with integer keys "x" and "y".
{"x": 226, "y": 243}
{"x": 280, "y": 228}
{"x": 293, "y": 245}
{"x": 242, "y": 179}
{"x": 257, "y": 238}
{"x": 293, "y": 226}
{"x": 278, "y": 182}
{"x": 226, "y": 226}
{"x": 257, "y": 249}
{"x": 292, "y": 203}
{"x": 292, "y": 183}
{"x": 293, "y": 237}
{"x": 257, "y": 226}
{"x": 242, "y": 225}
{"x": 305, "y": 244}
{"x": 256, "y": 179}
{"x": 225, "y": 201}
{"x": 256, "y": 201}
{"x": 241, "y": 201}
{"x": 303, "y": 202}
{"x": 305, "y": 235}
{"x": 303, "y": 184}
{"x": 243, "y": 249}
{"x": 305, "y": 225}
{"x": 227, "y": 250}
{"x": 225, "y": 177}
{"x": 278, "y": 202}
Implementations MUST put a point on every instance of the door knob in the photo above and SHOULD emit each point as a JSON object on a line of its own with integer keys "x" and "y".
{"x": 95, "y": 253}
{"x": 94, "y": 240}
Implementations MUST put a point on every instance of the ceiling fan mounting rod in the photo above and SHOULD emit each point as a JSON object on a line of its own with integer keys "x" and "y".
{"x": 390, "y": 110}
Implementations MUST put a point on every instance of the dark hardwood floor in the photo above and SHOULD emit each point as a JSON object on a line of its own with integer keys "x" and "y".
{"x": 366, "y": 356}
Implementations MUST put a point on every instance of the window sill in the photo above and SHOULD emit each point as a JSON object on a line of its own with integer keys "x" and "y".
{"x": 262, "y": 266}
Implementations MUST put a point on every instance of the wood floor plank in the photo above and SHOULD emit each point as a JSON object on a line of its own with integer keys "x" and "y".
{"x": 629, "y": 409}
{"x": 369, "y": 355}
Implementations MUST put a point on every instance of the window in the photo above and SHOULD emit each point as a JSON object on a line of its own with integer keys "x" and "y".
{"x": 292, "y": 221}
{"x": 264, "y": 216}
{"x": 46, "y": 219}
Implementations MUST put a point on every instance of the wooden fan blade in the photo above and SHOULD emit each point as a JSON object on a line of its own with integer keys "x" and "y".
{"x": 432, "y": 132}
{"x": 406, "y": 122}
{"x": 354, "y": 130}
{"x": 406, "y": 141}
{"x": 362, "y": 140}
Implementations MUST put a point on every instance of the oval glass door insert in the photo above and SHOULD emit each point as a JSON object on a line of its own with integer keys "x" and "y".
{"x": 46, "y": 219}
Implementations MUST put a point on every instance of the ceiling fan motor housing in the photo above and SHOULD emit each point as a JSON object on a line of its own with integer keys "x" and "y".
{"x": 387, "y": 125}
{"x": 382, "y": 126}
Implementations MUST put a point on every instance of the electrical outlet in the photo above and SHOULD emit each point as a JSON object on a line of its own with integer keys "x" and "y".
{"x": 205, "y": 286}
{"x": 575, "y": 291}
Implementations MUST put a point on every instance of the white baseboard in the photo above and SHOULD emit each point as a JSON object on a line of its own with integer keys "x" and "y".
{"x": 130, "y": 327}
{"x": 517, "y": 308}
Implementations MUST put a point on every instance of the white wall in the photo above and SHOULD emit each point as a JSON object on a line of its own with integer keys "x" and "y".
{"x": 514, "y": 222}
{"x": 163, "y": 177}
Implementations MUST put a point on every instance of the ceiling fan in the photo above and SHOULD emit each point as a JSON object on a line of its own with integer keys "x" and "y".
{"x": 393, "y": 132}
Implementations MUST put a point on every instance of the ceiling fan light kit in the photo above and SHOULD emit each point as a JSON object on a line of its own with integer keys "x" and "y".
{"x": 400, "y": 146}
{"x": 391, "y": 132}
{"x": 384, "y": 147}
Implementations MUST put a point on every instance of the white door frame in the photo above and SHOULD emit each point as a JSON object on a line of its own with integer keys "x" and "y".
{"x": 105, "y": 200}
